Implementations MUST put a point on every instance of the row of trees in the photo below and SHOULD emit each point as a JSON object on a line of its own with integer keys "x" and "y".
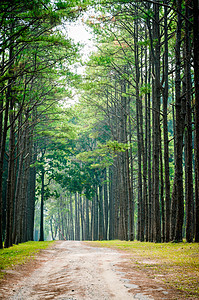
{"x": 123, "y": 162}
{"x": 144, "y": 81}
{"x": 35, "y": 58}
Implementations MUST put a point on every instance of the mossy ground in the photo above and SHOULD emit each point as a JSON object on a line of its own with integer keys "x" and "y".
{"x": 177, "y": 263}
{"x": 19, "y": 254}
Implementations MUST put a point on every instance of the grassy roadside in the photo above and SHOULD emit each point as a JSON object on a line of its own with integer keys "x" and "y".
{"x": 19, "y": 254}
{"x": 177, "y": 263}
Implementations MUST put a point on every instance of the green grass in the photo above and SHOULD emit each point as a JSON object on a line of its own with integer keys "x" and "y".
{"x": 178, "y": 263}
{"x": 19, "y": 254}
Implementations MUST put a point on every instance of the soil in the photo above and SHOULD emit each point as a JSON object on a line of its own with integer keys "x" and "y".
{"x": 72, "y": 270}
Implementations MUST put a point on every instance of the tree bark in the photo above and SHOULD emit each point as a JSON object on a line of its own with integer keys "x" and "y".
{"x": 156, "y": 114}
{"x": 188, "y": 132}
{"x": 140, "y": 231}
{"x": 131, "y": 196}
{"x": 111, "y": 204}
{"x": 165, "y": 129}
{"x": 196, "y": 80}
{"x": 180, "y": 118}
{"x": 106, "y": 211}
{"x": 41, "y": 238}
{"x": 87, "y": 231}
{"x": 71, "y": 218}
{"x": 10, "y": 180}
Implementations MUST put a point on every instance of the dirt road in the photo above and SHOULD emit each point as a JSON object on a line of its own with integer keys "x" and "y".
{"x": 72, "y": 270}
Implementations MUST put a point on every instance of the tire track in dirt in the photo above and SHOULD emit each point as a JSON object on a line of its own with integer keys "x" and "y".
{"x": 71, "y": 270}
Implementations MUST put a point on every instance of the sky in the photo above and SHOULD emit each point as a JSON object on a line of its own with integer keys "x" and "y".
{"x": 80, "y": 33}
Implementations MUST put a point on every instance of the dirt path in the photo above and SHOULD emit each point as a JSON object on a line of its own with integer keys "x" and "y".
{"x": 72, "y": 270}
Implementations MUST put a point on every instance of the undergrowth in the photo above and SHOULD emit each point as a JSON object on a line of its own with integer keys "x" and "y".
{"x": 19, "y": 254}
{"x": 178, "y": 263}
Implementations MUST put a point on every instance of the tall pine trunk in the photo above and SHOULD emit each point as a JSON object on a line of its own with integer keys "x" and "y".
{"x": 140, "y": 230}
{"x": 188, "y": 132}
{"x": 10, "y": 179}
{"x": 106, "y": 211}
{"x": 41, "y": 237}
{"x": 165, "y": 129}
{"x": 156, "y": 125}
{"x": 179, "y": 129}
{"x": 196, "y": 80}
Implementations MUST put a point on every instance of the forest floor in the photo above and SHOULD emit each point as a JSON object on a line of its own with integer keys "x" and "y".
{"x": 70, "y": 270}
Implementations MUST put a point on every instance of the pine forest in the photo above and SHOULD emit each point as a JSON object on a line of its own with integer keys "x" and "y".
{"x": 99, "y": 140}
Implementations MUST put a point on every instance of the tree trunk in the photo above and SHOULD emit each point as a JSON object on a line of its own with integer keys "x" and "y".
{"x": 149, "y": 158}
{"x": 165, "y": 129}
{"x": 32, "y": 189}
{"x": 71, "y": 218}
{"x": 101, "y": 214}
{"x": 131, "y": 195}
{"x": 41, "y": 238}
{"x": 21, "y": 145}
{"x": 145, "y": 154}
{"x": 4, "y": 119}
{"x": 140, "y": 231}
{"x": 111, "y": 204}
{"x": 156, "y": 114}
{"x": 196, "y": 80}
{"x": 10, "y": 181}
{"x": 87, "y": 231}
{"x": 77, "y": 229}
{"x": 81, "y": 206}
{"x": 179, "y": 131}
{"x": 188, "y": 132}
{"x": 105, "y": 185}
{"x": 162, "y": 193}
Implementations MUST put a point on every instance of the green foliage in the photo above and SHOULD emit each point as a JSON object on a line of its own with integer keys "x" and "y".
{"x": 145, "y": 89}
{"x": 103, "y": 155}
{"x": 103, "y": 60}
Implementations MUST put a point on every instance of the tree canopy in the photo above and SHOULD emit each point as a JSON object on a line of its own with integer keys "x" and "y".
{"x": 122, "y": 161}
